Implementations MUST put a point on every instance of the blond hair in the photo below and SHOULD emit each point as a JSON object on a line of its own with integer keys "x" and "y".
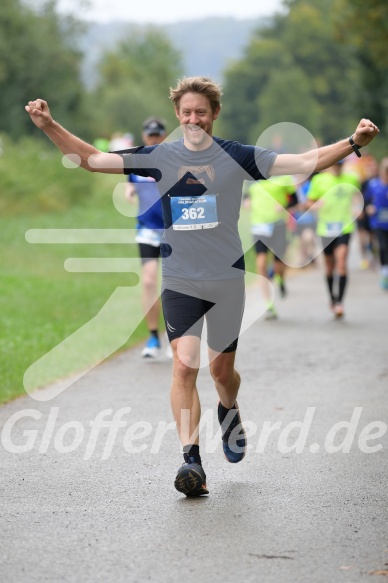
{"x": 202, "y": 85}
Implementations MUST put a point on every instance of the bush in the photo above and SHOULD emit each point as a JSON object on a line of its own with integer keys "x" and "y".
{"x": 33, "y": 179}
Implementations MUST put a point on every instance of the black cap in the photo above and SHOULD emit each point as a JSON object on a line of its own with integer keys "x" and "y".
{"x": 154, "y": 127}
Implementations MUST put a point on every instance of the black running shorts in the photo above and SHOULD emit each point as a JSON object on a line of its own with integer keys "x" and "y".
{"x": 330, "y": 244}
{"x": 187, "y": 302}
{"x": 148, "y": 252}
{"x": 277, "y": 242}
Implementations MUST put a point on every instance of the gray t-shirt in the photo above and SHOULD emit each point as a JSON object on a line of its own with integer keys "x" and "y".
{"x": 201, "y": 198}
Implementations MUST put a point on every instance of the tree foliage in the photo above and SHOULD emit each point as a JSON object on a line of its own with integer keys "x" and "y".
{"x": 300, "y": 106}
{"x": 363, "y": 24}
{"x": 134, "y": 81}
{"x": 295, "y": 70}
{"x": 37, "y": 59}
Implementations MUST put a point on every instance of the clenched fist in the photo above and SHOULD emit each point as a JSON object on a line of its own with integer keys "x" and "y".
{"x": 365, "y": 132}
{"x": 40, "y": 113}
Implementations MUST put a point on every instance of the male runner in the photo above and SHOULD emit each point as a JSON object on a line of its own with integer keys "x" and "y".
{"x": 149, "y": 237}
{"x": 376, "y": 199}
{"x": 335, "y": 190}
{"x": 268, "y": 201}
{"x": 200, "y": 180}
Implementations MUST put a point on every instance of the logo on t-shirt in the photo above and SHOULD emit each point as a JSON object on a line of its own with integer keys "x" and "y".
{"x": 196, "y": 172}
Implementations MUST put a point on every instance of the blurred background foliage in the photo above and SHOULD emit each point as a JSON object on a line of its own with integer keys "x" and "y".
{"x": 314, "y": 66}
{"x": 321, "y": 63}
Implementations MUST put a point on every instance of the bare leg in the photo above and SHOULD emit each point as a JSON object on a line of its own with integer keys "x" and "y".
{"x": 261, "y": 267}
{"x": 226, "y": 378}
{"x": 184, "y": 395}
{"x": 150, "y": 294}
{"x": 227, "y": 382}
{"x": 341, "y": 257}
{"x": 279, "y": 267}
{"x": 308, "y": 245}
{"x": 365, "y": 245}
{"x": 329, "y": 265}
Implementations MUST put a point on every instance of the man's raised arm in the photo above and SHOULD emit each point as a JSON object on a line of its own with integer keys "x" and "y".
{"x": 80, "y": 152}
{"x": 322, "y": 158}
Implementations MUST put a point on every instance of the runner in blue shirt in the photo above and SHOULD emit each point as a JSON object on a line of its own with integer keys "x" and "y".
{"x": 376, "y": 199}
{"x": 149, "y": 235}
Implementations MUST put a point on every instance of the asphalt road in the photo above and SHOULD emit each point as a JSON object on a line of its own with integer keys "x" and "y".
{"x": 85, "y": 506}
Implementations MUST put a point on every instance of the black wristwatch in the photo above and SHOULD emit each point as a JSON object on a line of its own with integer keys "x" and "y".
{"x": 354, "y": 146}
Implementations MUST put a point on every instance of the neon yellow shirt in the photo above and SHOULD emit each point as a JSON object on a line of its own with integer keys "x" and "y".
{"x": 269, "y": 199}
{"x": 335, "y": 216}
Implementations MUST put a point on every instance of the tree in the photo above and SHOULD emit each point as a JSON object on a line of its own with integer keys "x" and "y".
{"x": 134, "y": 82}
{"x": 364, "y": 25}
{"x": 287, "y": 97}
{"x": 37, "y": 59}
{"x": 301, "y": 47}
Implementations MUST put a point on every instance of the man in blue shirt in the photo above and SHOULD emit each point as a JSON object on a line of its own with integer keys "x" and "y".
{"x": 376, "y": 200}
{"x": 149, "y": 236}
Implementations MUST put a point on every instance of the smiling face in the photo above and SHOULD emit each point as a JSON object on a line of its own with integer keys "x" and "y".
{"x": 196, "y": 117}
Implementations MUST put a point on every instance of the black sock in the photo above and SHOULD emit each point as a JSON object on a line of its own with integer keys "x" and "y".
{"x": 191, "y": 454}
{"x": 222, "y": 412}
{"x": 155, "y": 334}
{"x": 330, "y": 279}
{"x": 342, "y": 285}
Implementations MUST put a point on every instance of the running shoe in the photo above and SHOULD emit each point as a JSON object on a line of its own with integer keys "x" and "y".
{"x": 191, "y": 480}
{"x": 271, "y": 314}
{"x": 384, "y": 282}
{"x": 234, "y": 443}
{"x": 152, "y": 348}
{"x": 338, "y": 310}
{"x": 270, "y": 272}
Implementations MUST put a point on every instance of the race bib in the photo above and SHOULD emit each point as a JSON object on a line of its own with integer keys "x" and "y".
{"x": 149, "y": 237}
{"x": 194, "y": 212}
{"x": 334, "y": 229}
{"x": 263, "y": 229}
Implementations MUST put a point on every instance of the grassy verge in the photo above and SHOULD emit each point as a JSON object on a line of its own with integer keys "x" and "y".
{"x": 41, "y": 303}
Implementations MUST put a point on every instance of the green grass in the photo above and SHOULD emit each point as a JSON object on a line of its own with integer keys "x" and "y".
{"x": 41, "y": 303}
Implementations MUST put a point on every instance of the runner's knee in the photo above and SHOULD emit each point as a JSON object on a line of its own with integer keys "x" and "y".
{"x": 220, "y": 373}
{"x": 186, "y": 361}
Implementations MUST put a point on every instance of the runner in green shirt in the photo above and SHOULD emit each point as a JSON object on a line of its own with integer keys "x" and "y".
{"x": 269, "y": 200}
{"x": 335, "y": 191}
